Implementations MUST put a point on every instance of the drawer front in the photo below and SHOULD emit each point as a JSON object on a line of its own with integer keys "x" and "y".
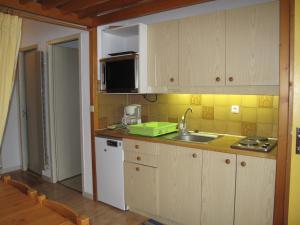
{"x": 141, "y": 158}
{"x": 140, "y": 146}
{"x": 141, "y": 187}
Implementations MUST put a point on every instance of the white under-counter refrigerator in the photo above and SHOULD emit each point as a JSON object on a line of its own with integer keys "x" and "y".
{"x": 110, "y": 171}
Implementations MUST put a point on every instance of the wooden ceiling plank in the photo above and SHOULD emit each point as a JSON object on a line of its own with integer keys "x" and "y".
{"x": 35, "y": 8}
{"x": 77, "y": 5}
{"x": 155, "y": 6}
{"x": 47, "y": 4}
{"x": 108, "y": 6}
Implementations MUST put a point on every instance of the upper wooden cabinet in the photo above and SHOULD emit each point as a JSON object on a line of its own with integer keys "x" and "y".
{"x": 252, "y": 45}
{"x": 163, "y": 54}
{"x": 237, "y": 49}
{"x": 202, "y": 50}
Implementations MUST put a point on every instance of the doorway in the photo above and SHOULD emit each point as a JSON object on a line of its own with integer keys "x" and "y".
{"x": 31, "y": 110}
{"x": 65, "y": 112}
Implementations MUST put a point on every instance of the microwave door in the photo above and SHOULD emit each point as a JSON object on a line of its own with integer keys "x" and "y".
{"x": 120, "y": 76}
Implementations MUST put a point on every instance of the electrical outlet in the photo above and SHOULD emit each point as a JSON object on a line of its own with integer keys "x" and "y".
{"x": 235, "y": 109}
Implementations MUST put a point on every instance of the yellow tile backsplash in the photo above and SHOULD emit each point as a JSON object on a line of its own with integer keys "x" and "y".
{"x": 258, "y": 114}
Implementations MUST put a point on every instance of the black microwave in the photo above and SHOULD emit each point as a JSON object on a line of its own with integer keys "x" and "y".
{"x": 119, "y": 74}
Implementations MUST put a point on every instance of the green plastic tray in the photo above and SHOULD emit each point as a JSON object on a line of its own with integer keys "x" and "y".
{"x": 152, "y": 129}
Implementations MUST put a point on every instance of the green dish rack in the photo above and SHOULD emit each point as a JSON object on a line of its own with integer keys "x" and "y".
{"x": 152, "y": 129}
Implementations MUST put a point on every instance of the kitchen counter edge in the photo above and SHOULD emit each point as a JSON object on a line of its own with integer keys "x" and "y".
{"x": 221, "y": 144}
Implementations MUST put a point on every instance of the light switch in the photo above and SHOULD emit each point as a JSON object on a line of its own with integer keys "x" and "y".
{"x": 235, "y": 109}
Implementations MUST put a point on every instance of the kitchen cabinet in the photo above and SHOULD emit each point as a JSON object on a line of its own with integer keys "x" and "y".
{"x": 235, "y": 51}
{"x": 218, "y": 188}
{"x": 180, "y": 184}
{"x": 255, "y": 189}
{"x": 252, "y": 45}
{"x": 187, "y": 186}
{"x": 163, "y": 54}
{"x": 141, "y": 187}
{"x": 202, "y": 50}
{"x": 141, "y": 176}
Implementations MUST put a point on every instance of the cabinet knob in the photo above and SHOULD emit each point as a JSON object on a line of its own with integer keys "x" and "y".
{"x": 137, "y": 168}
{"x": 171, "y": 79}
{"x": 138, "y": 158}
{"x": 137, "y": 146}
{"x": 230, "y": 79}
{"x": 194, "y": 155}
{"x": 243, "y": 163}
{"x": 218, "y": 79}
{"x": 227, "y": 161}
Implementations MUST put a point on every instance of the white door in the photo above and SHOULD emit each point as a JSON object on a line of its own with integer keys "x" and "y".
{"x": 66, "y": 110}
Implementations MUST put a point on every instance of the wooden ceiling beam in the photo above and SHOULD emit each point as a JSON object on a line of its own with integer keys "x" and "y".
{"x": 35, "y": 8}
{"x": 108, "y": 7}
{"x": 152, "y": 7}
{"x": 77, "y": 5}
{"x": 25, "y": 1}
{"x": 47, "y": 4}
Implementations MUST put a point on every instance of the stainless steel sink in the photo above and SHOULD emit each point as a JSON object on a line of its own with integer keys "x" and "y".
{"x": 193, "y": 137}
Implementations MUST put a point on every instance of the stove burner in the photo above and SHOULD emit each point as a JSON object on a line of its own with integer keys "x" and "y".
{"x": 255, "y": 143}
{"x": 248, "y": 142}
{"x": 257, "y": 138}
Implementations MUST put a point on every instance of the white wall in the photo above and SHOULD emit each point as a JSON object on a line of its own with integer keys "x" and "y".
{"x": 38, "y": 33}
{"x": 11, "y": 146}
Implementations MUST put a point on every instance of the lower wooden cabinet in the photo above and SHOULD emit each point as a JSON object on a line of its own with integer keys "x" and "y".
{"x": 255, "y": 189}
{"x": 141, "y": 187}
{"x": 218, "y": 188}
{"x": 180, "y": 171}
{"x": 198, "y": 187}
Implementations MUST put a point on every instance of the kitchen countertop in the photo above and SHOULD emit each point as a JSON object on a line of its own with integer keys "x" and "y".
{"x": 221, "y": 144}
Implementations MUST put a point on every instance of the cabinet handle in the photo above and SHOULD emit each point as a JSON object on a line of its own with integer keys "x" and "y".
{"x": 137, "y": 168}
{"x": 227, "y": 161}
{"x": 243, "y": 164}
{"x": 137, "y": 146}
{"x": 230, "y": 79}
{"x": 218, "y": 79}
{"x": 171, "y": 79}
{"x": 138, "y": 158}
{"x": 194, "y": 155}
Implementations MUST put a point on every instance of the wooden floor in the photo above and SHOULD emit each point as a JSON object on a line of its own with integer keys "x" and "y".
{"x": 99, "y": 213}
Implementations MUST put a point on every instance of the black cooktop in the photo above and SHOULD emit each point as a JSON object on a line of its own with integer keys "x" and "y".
{"x": 255, "y": 143}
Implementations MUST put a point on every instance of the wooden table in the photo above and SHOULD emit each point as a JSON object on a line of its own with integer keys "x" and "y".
{"x": 17, "y": 208}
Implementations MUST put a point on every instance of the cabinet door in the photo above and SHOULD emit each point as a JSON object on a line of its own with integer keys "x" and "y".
{"x": 218, "y": 188}
{"x": 163, "y": 54}
{"x": 180, "y": 184}
{"x": 202, "y": 50}
{"x": 252, "y": 45}
{"x": 141, "y": 187}
{"x": 255, "y": 185}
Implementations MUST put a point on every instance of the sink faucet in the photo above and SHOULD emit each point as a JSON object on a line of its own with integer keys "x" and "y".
{"x": 182, "y": 124}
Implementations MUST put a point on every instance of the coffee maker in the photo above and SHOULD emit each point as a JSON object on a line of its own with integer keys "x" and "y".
{"x": 132, "y": 114}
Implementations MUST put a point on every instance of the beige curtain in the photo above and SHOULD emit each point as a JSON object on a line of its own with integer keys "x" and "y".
{"x": 10, "y": 35}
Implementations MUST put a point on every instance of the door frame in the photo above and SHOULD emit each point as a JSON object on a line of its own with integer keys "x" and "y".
{"x": 84, "y": 116}
{"x": 22, "y": 103}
